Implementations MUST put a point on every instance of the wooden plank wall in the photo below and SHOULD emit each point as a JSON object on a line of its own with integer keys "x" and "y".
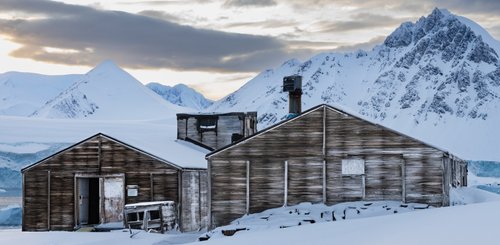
{"x": 266, "y": 184}
{"x": 194, "y": 200}
{"x": 305, "y": 180}
{"x": 397, "y": 167}
{"x": 228, "y": 190}
{"x": 245, "y": 124}
{"x": 96, "y": 156}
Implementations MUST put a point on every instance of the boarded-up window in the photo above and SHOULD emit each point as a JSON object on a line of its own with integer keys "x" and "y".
{"x": 132, "y": 190}
{"x": 353, "y": 166}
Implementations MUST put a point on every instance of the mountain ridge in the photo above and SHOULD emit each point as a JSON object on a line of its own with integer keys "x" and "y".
{"x": 437, "y": 80}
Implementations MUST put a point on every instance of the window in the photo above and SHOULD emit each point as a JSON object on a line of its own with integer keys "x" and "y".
{"x": 353, "y": 167}
{"x": 207, "y": 123}
{"x": 132, "y": 190}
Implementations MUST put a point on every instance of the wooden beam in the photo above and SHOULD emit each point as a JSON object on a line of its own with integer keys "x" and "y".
{"x": 151, "y": 184}
{"x": 403, "y": 179}
{"x": 48, "y": 200}
{"x": 23, "y": 204}
{"x": 179, "y": 196}
{"x": 99, "y": 153}
{"x": 324, "y": 181}
{"x": 247, "y": 187}
{"x": 209, "y": 195}
{"x": 285, "y": 201}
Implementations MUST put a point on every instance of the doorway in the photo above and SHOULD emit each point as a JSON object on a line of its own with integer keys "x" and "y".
{"x": 88, "y": 197}
{"x": 99, "y": 199}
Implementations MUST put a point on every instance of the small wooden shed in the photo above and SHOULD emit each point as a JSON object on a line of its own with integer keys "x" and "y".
{"x": 325, "y": 155}
{"x": 215, "y": 130}
{"x": 91, "y": 181}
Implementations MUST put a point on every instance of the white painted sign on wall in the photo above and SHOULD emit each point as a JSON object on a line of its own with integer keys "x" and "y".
{"x": 353, "y": 166}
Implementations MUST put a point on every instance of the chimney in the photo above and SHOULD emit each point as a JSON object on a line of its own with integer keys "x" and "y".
{"x": 293, "y": 85}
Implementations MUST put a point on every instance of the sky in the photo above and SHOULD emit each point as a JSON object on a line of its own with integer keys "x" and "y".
{"x": 212, "y": 46}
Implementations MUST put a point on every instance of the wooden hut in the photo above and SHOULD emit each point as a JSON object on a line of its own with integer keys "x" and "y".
{"x": 91, "y": 181}
{"x": 216, "y": 130}
{"x": 325, "y": 155}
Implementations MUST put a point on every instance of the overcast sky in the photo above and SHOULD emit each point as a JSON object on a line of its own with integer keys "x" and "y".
{"x": 214, "y": 46}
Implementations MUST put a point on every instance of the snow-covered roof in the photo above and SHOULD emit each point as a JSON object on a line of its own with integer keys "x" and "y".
{"x": 177, "y": 153}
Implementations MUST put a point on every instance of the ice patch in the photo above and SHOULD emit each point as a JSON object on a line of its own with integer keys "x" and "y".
{"x": 11, "y": 215}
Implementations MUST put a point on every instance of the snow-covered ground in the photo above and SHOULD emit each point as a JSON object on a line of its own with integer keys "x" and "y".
{"x": 364, "y": 223}
{"x": 458, "y": 225}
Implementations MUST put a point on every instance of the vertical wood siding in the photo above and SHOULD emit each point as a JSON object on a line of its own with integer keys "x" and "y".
{"x": 228, "y": 190}
{"x": 397, "y": 167}
{"x": 266, "y": 185}
{"x": 194, "y": 201}
{"x": 305, "y": 181}
{"x": 96, "y": 156}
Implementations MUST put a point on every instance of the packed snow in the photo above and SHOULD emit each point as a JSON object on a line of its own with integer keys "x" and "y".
{"x": 458, "y": 225}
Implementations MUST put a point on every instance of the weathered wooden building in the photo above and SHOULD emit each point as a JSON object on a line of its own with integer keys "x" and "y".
{"x": 216, "y": 130}
{"x": 326, "y": 155}
{"x": 91, "y": 181}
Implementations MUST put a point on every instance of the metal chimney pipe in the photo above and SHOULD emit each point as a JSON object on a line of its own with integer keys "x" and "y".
{"x": 293, "y": 85}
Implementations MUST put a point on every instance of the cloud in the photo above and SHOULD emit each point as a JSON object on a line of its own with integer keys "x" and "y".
{"x": 359, "y": 21}
{"x": 134, "y": 41}
{"x": 363, "y": 46}
{"x": 248, "y": 3}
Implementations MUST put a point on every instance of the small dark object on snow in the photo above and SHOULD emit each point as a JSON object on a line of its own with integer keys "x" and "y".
{"x": 364, "y": 208}
{"x": 321, "y": 215}
{"x": 285, "y": 226}
{"x": 300, "y": 223}
{"x": 403, "y": 205}
{"x": 203, "y": 238}
{"x": 395, "y": 211}
{"x": 388, "y": 209}
{"x": 343, "y": 217}
{"x": 231, "y": 232}
{"x": 310, "y": 221}
{"x": 266, "y": 218}
{"x": 333, "y": 216}
{"x": 421, "y": 207}
{"x": 368, "y": 204}
{"x": 357, "y": 210}
{"x": 307, "y": 213}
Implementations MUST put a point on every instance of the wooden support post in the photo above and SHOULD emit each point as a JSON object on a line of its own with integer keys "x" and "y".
{"x": 151, "y": 184}
{"x": 179, "y": 196}
{"x": 23, "y": 202}
{"x": 248, "y": 187}
{"x": 324, "y": 154}
{"x": 363, "y": 186}
{"x": 209, "y": 195}
{"x": 285, "y": 201}
{"x": 48, "y": 200}
{"x": 99, "y": 153}
{"x": 403, "y": 179}
{"x": 324, "y": 181}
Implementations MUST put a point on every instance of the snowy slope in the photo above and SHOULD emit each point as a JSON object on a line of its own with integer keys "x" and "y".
{"x": 181, "y": 95}
{"x": 459, "y": 225}
{"x": 22, "y": 93}
{"x": 107, "y": 92}
{"x": 437, "y": 80}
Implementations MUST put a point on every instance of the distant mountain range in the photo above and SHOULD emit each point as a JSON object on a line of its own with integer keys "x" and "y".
{"x": 182, "y": 95}
{"x": 105, "y": 92}
{"x": 437, "y": 79}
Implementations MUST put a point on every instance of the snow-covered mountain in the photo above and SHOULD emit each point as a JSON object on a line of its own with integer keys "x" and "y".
{"x": 23, "y": 93}
{"x": 105, "y": 93}
{"x": 182, "y": 95}
{"x": 437, "y": 79}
